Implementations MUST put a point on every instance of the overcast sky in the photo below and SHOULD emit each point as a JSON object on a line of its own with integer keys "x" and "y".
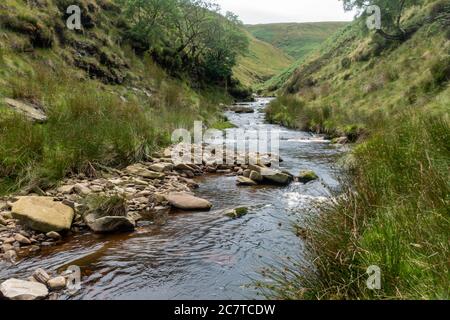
{"x": 271, "y": 11}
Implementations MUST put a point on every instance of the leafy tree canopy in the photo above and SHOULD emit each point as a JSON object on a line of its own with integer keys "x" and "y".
{"x": 188, "y": 35}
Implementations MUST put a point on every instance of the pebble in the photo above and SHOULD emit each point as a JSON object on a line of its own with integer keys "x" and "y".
{"x": 22, "y": 239}
{"x": 57, "y": 283}
{"x": 11, "y": 255}
{"x": 9, "y": 240}
{"x": 6, "y": 247}
{"x": 53, "y": 235}
{"x": 34, "y": 248}
{"x": 41, "y": 276}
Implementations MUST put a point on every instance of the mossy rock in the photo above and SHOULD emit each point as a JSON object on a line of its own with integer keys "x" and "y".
{"x": 237, "y": 213}
{"x": 307, "y": 176}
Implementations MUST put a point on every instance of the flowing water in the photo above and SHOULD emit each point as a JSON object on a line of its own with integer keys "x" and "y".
{"x": 202, "y": 255}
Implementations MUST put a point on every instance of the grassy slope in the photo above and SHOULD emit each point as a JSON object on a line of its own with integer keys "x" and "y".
{"x": 262, "y": 62}
{"x": 106, "y": 106}
{"x": 396, "y": 98}
{"x": 297, "y": 40}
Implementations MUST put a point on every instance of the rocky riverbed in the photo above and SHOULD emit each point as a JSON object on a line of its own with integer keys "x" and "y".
{"x": 150, "y": 191}
{"x": 158, "y": 207}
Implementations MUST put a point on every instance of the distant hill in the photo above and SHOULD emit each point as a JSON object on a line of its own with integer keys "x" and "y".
{"x": 295, "y": 39}
{"x": 261, "y": 63}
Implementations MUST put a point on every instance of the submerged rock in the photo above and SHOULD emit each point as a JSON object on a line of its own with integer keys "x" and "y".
{"x": 43, "y": 214}
{"x": 237, "y": 213}
{"x": 188, "y": 202}
{"x": 14, "y": 289}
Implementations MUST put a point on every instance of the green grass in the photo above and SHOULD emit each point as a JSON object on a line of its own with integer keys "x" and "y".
{"x": 261, "y": 63}
{"x": 103, "y": 206}
{"x": 88, "y": 126}
{"x": 395, "y": 215}
{"x": 296, "y": 39}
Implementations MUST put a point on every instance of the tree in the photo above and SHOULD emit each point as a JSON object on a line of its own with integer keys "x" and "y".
{"x": 392, "y": 12}
{"x": 150, "y": 18}
{"x": 226, "y": 41}
{"x": 188, "y": 35}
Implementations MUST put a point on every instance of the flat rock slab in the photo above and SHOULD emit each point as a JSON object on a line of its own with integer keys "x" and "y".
{"x": 14, "y": 289}
{"x": 161, "y": 167}
{"x": 29, "y": 110}
{"x": 187, "y": 202}
{"x": 43, "y": 214}
{"x": 141, "y": 171}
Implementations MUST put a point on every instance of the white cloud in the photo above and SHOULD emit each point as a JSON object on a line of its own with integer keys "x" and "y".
{"x": 272, "y": 11}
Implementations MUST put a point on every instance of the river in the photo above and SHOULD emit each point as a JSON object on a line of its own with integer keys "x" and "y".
{"x": 202, "y": 255}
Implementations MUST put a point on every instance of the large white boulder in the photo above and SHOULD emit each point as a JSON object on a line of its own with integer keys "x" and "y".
{"x": 186, "y": 201}
{"x": 43, "y": 214}
{"x": 14, "y": 289}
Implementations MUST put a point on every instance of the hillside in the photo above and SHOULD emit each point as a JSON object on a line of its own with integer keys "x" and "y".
{"x": 296, "y": 39}
{"x": 391, "y": 95}
{"x": 260, "y": 63}
{"x": 101, "y": 96}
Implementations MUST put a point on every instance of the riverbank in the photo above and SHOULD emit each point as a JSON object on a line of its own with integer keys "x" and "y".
{"x": 111, "y": 202}
{"x": 394, "y": 216}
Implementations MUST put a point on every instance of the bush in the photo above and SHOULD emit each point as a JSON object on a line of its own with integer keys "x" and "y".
{"x": 441, "y": 70}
